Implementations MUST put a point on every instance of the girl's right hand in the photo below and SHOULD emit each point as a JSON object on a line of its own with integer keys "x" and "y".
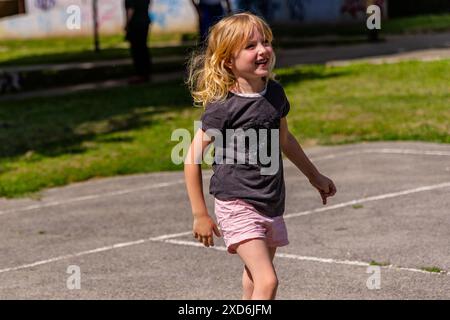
{"x": 203, "y": 229}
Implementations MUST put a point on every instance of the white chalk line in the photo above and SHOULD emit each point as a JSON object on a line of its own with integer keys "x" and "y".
{"x": 368, "y": 199}
{"x": 409, "y": 151}
{"x": 312, "y": 259}
{"x": 180, "y": 181}
{"x": 381, "y": 151}
{"x": 91, "y": 197}
{"x": 97, "y": 250}
{"x": 167, "y": 238}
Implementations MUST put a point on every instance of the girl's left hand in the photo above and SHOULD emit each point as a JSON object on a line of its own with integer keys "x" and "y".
{"x": 324, "y": 185}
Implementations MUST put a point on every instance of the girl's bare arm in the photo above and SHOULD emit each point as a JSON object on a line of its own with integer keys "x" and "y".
{"x": 203, "y": 226}
{"x": 292, "y": 149}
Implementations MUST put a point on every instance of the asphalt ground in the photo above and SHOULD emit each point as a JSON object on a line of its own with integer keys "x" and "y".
{"x": 130, "y": 237}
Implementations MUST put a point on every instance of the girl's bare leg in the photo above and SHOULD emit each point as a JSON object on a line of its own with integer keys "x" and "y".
{"x": 258, "y": 260}
{"x": 247, "y": 280}
{"x": 247, "y": 284}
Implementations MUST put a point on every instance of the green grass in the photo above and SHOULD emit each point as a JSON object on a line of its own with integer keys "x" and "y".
{"x": 381, "y": 264}
{"x": 362, "y": 102}
{"x": 425, "y": 23}
{"x": 50, "y": 79}
{"x": 46, "y": 142}
{"x": 79, "y": 49}
{"x": 416, "y": 24}
{"x": 432, "y": 269}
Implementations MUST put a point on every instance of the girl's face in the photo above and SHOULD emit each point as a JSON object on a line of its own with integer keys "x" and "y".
{"x": 254, "y": 60}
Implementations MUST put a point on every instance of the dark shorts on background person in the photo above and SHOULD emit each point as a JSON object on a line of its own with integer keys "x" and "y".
{"x": 210, "y": 14}
{"x": 137, "y": 31}
{"x": 137, "y": 36}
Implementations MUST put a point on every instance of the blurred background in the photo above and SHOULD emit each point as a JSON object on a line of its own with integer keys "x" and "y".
{"x": 68, "y": 111}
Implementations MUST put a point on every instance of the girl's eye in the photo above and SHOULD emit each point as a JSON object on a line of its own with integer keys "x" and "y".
{"x": 249, "y": 46}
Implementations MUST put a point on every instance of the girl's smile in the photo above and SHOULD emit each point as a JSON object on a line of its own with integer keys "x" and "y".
{"x": 252, "y": 63}
{"x": 257, "y": 52}
{"x": 262, "y": 62}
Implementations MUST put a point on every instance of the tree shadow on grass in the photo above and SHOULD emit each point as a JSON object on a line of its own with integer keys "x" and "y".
{"x": 67, "y": 57}
{"x": 89, "y": 56}
{"x": 300, "y": 74}
{"x": 55, "y": 126}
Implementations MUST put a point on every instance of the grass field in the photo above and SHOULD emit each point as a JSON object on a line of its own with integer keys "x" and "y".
{"x": 415, "y": 24}
{"x": 46, "y": 142}
{"x": 77, "y": 49}
{"x": 60, "y": 50}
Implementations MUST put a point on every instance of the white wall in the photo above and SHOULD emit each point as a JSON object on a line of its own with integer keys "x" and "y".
{"x": 49, "y": 17}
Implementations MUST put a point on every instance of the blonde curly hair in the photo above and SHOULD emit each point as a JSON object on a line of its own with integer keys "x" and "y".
{"x": 209, "y": 78}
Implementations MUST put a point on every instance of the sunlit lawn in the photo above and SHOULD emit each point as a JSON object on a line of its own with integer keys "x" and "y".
{"x": 47, "y": 142}
{"x": 76, "y": 49}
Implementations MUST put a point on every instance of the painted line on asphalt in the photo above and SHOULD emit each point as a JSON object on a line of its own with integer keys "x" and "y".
{"x": 381, "y": 151}
{"x": 409, "y": 151}
{"x": 92, "y": 197}
{"x": 311, "y": 259}
{"x": 181, "y": 181}
{"x": 97, "y": 250}
{"x": 169, "y": 237}
{"x": 368, "y": 199}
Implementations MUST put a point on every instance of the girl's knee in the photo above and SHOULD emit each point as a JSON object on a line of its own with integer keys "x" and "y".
{"x": 266, "y": 288}
{"x": 274, "y": 282}
{"x": 268, "y": 283}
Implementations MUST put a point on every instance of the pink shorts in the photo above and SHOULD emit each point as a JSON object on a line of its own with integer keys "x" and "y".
{"x": 239, "y": 221}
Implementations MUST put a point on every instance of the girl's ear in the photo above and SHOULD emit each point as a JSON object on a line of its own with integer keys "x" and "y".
{"x": 228, "y": 64}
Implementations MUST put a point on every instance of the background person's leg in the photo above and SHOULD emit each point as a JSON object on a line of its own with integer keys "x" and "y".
{"x": 244, "y": 5}
{"x": 257, "y": 258}
{"x": 205, "y": 21}
{"x": 139, "y": 52}
{"x": 144, "y": 55}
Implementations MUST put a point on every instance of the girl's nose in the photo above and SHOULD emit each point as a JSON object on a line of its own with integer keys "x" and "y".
{"x": 261, "y": 48}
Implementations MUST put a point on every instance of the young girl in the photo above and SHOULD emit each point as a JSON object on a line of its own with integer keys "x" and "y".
{"x": 233, "y": 80}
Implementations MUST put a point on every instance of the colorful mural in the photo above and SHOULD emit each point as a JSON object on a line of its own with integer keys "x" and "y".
{"x": 49, "y": 17}
{"x": 357, "y": 8}
{"x": 44, "y": 4}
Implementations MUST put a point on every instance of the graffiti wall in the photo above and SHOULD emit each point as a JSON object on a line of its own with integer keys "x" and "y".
{"x": 292, "y": 10}
{"x": 176, "y": 15}
{"x": 308, "y": 11}
{"x": 51, "y": 17}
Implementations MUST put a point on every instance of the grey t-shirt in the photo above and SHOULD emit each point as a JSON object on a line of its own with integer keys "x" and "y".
{"x": 245, "y": 181}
